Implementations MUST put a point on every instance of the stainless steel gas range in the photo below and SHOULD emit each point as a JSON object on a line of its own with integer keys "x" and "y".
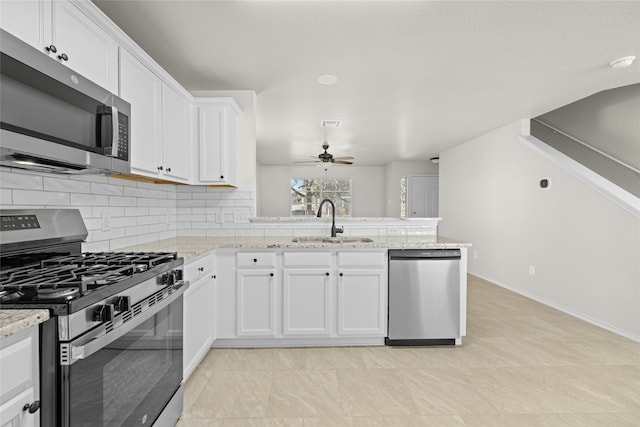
{"x": 111, "y": 353}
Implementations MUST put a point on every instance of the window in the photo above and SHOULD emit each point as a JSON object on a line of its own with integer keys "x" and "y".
{"x": 306, "y": 195}
{"x": 403, "y": 197}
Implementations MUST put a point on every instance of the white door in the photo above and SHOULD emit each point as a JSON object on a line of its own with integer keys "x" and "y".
{"x": 88, "y": 48}
{"x": 422, "y": 196}
{"x": 362, "y": 302}
{"x": 212, "y": 144}
{"x": 176, "y": 134}
{"x": 306, "y": 301}
{"x": 143, "y": 90}
{"x": 256, "y": 310}
{"x": 198, "y": 323}
{"x": 30, "y": 21}
{"x": 12, "y": 413}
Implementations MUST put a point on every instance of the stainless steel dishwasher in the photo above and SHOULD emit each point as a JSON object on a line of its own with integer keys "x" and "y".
{"x": 424, "y": 297}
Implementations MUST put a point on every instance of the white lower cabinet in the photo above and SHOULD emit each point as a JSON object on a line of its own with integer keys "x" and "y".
{"x": 19, "y": 379}
{"x": 362, "y": 302}
{"x": 199, "y": 321}
{"x": 306, "y": 302}
{"x": 301, "y": 297}
{"x": 256, "y": 303}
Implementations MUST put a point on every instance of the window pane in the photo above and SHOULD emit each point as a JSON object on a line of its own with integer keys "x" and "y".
{"x": 306, "y": 195}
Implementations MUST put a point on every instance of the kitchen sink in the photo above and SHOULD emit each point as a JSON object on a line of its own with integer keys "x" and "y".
{"x": 332, "y": 240}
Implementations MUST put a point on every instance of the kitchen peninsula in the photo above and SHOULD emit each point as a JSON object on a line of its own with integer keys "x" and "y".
{"x": 299, "y": 288}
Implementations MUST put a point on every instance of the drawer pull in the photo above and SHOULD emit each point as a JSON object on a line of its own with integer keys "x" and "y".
{"x": 32, "y": 407}
{"x": 271, "y": 274}
{"x": 255, "y": 260}
{"x": 200, "y": 268}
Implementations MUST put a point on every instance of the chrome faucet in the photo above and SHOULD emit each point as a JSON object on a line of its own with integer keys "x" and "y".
{"x": 334, "y": 230}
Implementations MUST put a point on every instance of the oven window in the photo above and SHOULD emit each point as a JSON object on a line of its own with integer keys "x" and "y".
{"x": 129, "y": 382}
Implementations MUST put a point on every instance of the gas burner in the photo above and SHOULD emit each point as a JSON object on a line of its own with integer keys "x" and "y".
{"x": 139, "y": 268}
{"x": 9, "y": 295}
{"x": 57, "y": 293}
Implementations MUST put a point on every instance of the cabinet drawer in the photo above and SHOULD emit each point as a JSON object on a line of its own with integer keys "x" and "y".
{"x": 307, "y": 259}
{"x": 198, "y": 268}
{"x": 16, "y": 370}
{"x": 362, "y": 259}
{"x": 256, "y": 259}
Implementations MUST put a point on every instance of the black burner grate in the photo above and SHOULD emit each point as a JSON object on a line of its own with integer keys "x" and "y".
{"x": 70, "y": 276}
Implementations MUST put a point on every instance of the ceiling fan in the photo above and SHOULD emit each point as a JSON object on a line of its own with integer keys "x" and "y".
{"x": 328, "y": 157}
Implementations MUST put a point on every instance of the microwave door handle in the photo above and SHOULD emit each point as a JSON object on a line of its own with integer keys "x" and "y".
{"x": 114, "y": 132}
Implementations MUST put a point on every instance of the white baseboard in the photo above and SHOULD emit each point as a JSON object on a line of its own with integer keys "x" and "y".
{"x": 294, "y": 342}
{"x": 563, "y": 309}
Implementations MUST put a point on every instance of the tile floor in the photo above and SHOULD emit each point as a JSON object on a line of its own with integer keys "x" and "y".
{"x": 521, "y": 364}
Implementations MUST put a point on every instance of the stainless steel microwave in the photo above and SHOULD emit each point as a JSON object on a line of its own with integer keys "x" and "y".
{"x": 53, "y": 119}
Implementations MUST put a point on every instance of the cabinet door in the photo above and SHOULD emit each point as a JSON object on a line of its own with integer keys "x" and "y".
{"x": 306, "y": 303}
{"x": 143, "y": 90}
{"x": 30, "y": 21}
{"x": 90, "y": 50}
{"x": 218, "y": 141}
{"x": 212, "y": 143}
{"x": 176, "y": 134}
{"x": 198, "y": 323}
{"x": 12, "y": 414}
{"x": 256, "y": 303}
{"x": 362, "y": 302}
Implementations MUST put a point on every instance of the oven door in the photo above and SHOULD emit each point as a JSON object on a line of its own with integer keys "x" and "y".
{"x": 126, "y": 379}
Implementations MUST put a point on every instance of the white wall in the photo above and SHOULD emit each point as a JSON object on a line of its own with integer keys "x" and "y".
{"x": 585, "y": 249}
{"x": 367, "y": 188}
{"x": 392, "y": 173}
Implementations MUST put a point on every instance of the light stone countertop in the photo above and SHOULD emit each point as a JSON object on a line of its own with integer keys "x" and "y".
{"x": 193, "y": 247}
{"x": 327, "y": 218}
{"x": 14, "y": 321}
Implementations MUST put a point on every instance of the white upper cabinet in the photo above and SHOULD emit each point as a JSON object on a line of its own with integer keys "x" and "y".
{"x": 84, "y": 46}
{"x": 161, "y": 134}
{"x": 143, "y": 90}
{"x": 217, "y": 141}
{"x": 176, "y": 134}
{"x": 64, "y": 32}
{"x": 30, "y": 21}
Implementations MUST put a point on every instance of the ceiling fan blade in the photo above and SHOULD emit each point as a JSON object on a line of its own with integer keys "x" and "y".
{"x": 308, "y": 161}
{"x": 342, "y": 162}
{"x": 343, "y": 158}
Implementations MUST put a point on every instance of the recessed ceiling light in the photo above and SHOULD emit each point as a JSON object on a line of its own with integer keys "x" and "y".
{"x": 327, "y": 79}
{"x": 622, "y": 62}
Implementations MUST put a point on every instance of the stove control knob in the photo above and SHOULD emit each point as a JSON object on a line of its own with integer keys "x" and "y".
{"x": 122, "y": 303}
{"x": 167, "y": 279}
{"x": 104, "y": 313}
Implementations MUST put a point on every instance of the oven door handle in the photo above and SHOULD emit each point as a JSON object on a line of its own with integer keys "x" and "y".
{"x": 89, "y": 344}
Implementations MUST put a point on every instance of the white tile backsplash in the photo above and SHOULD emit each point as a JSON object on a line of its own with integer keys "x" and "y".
{"x": 17, "y": 181}
{"x": 66, "y": 184}
{"x": 141, "y": 212}
{"x": 40, "y": 198}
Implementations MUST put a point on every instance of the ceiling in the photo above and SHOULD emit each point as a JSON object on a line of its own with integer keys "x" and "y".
{"x": 414, "y": 77}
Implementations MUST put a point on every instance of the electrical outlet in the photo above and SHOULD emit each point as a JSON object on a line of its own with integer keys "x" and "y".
{"x": 532, "y": 270}
{"x": 241, "y": 217}
{"x": 106, "y": 221}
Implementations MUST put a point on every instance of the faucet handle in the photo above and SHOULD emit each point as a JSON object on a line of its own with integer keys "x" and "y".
{"x": 339, "y": 230}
